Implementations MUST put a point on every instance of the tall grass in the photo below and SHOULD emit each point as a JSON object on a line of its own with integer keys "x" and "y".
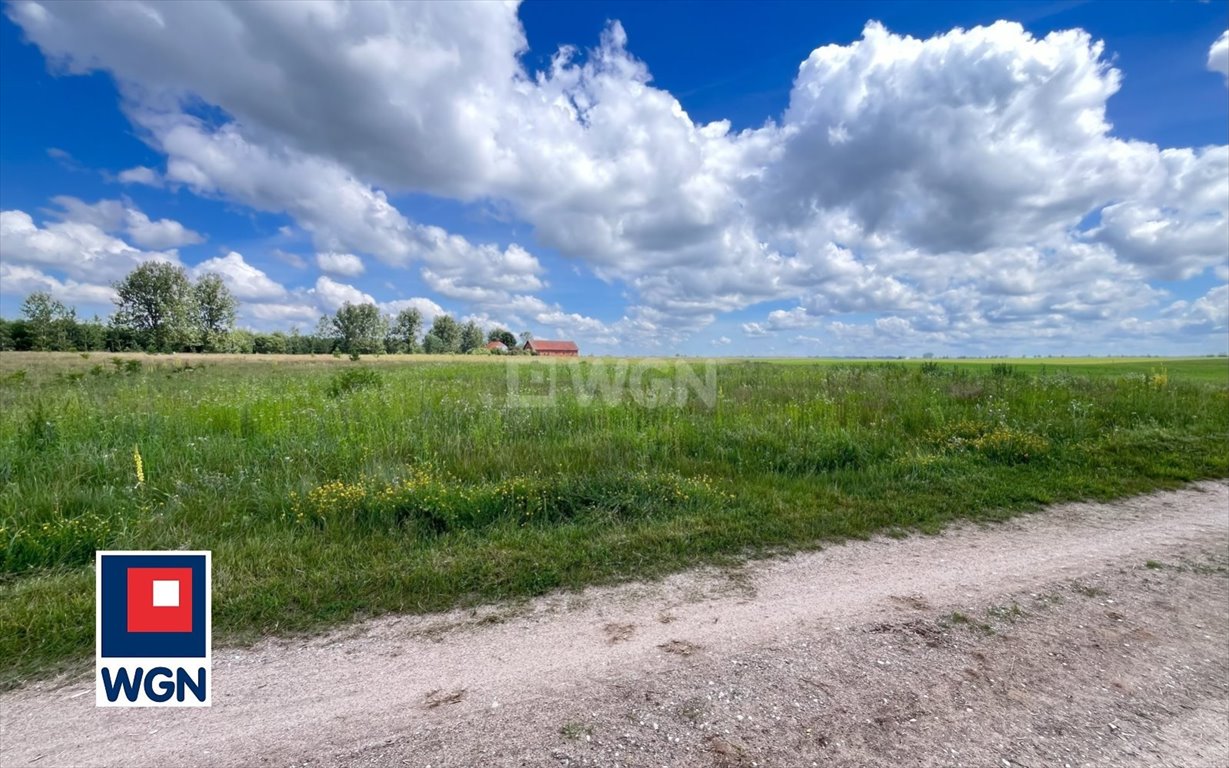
{"x": 333, "y": 491}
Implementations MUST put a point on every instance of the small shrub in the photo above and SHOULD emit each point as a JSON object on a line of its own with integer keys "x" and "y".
{"x": 39, "y": 431}
{"x": 126, "y": 366}
{"x": 353, "y": 380}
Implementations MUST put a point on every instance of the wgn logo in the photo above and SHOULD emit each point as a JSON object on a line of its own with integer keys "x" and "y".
{"x": 152, "y": 629}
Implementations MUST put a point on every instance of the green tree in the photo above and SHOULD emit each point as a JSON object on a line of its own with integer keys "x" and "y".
{"x": 504, "y": 336}
{"x": 297, "y": 343}
{"x": 471, "y": 337}
{"x": 360, "y": 328}
{"x": 444, "y": 336}
{"x": 526, "y": 337}
{"x": 275, "y": 343}
{"x": 214, "y": 307}
{"x": 155, "y": 303}
{"x": 49, "y": 322}
{"x": 240, "y": 341}
{"x": 407, "y": 328}
{"x": 324, "y": 340}
{"x": 434, "y": 345}
{"x": 88, "y": 336}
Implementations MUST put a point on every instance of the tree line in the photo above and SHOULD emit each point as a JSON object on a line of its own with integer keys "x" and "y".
{"x": 160, "y": 309}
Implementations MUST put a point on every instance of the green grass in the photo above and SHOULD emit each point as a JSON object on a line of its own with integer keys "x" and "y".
{"x": 1213, "y": 370}
{"x": 330, "y": 490}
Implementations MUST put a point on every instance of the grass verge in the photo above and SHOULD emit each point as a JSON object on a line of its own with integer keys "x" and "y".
{"x": 328, "y": 495}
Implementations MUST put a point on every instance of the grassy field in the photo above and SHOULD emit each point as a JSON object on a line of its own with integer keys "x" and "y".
{"x": 1214, "y": 370}
{"x": 330, "y": 490}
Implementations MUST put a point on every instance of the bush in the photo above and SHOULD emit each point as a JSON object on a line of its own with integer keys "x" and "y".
{"x": 39, "y": 431}
{"x": 353, "y": 380}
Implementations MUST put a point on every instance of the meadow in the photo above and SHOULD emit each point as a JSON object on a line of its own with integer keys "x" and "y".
{"x": 330, "y": 490}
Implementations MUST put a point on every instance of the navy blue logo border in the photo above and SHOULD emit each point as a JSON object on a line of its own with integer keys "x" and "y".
{"x": 117, "y": 642}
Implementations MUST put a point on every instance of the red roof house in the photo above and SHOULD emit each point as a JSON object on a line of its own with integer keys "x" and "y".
{"x": 553, "y": 348}
{"x": 497, "y": 346}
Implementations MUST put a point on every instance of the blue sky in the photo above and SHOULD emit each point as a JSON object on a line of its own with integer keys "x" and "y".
{"x": 793, "y": 178}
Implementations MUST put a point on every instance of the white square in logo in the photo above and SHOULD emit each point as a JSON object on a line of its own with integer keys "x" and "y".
{"x": 166, "y": 594}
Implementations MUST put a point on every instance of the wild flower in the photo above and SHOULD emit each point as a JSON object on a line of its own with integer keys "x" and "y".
{"x": 998, "y": 442}
{"x": 424, "y": 492}
{"x": 138, "y": 464}
{"x": 1012, "y": 445}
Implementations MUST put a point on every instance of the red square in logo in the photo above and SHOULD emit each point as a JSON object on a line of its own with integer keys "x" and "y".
{"x": 159, "y": 599}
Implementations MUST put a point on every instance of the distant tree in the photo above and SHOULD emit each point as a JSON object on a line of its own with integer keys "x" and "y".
{"x": 526, "y": 337}
{"x": 324, "y": 339}
{"x": 88, "y": 336}
{"x": 275, "y": 343}
{"x": 155, "y": 304}
{"x": 120, "y": 338}
{"x": 502, "y": 335}
{"x": 406, "y": 329}
{"x": 360, "y": 328}
{"x": 240, "y": 341}
{"x": 444, "y": 336}
{"x": 471, "y": 337}
{"x": 214, "y": 309}
{"x": 434, "y": 345}
{"x": 297, "y": 343}
{"x": 19, "y": 334}
{"x": 6, "y": 336}
{"x": 49, "y": 322}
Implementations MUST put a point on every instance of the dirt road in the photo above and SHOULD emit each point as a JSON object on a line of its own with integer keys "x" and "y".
{"x": 1084, "y": 635}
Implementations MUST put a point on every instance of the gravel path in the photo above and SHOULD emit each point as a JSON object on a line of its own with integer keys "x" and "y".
{"x": 1089, "y": 634}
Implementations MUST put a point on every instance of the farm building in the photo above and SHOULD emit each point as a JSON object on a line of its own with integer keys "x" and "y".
{"x": 497, "y": 346}
{"x": 553, "y": 348}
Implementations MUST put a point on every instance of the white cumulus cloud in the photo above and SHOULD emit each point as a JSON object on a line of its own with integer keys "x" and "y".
{"x": 346, "y": 264}
{"x": 246, "y": 282}
{"x": 943, "y": 186}
{"x": 140, "y": 175}
{"x": 1218, "y": 56}
{"x": 331, "y": 294}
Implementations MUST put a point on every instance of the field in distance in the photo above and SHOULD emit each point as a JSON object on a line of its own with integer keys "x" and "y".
{"x": 1214, "y": 370}
{"x": 330, "y": 489}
